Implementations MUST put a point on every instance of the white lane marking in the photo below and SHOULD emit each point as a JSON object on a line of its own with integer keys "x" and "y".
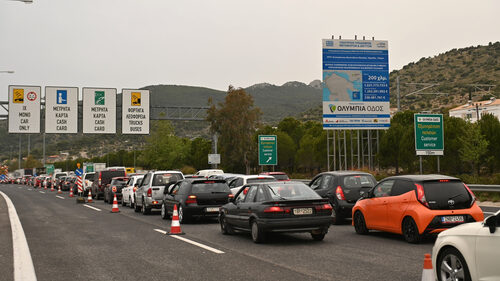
{"x": 59, "y": 197}
{"x": 29, "y": 189}
{"x": 192, "y": 242}
{"x": 23, "y": 264}
{"x": 19, "y": 187}
{"x": 42, "y": 192}
{"x": 93, "y": 208}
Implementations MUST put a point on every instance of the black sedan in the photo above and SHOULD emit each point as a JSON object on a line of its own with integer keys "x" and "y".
{"x": 195, "y": 197}
{"x": 276, "y": 207}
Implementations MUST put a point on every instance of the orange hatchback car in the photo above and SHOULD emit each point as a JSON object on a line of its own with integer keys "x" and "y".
{"x": 415, "y": 205}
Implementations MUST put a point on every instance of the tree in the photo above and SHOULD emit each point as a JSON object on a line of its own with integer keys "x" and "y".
{"x": 235, "y": 120}
{"x": 198, "y": 153}
{"x": 293, "y": 128}
{"x": 31, "y": 162}
{"x": 490, "y": 129}
{"x": 453, "y": 129}
{"x": 474, "y": 146}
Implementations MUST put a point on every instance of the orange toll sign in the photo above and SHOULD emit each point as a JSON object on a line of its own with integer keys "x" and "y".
{"x": 18, "y": 96}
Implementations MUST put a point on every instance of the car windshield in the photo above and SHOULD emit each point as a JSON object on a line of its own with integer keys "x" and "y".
{"x": 261, "y": 179}
{"x": 281, "y": 177}
{"x": 295, "y": 191}
{"x": 163, "y": 179}
{"x": 210, "y": 186}
{"x": 358, "y": 181}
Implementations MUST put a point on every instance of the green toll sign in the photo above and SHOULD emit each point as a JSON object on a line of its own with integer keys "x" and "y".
{"x": 429, "y": 134}
{"x": 268, "y": 150}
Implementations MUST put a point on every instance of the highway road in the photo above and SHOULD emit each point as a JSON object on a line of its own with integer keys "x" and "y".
{"x": 69, "y": 241}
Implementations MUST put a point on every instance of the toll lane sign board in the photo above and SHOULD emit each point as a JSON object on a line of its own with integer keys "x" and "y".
{"x": 355, "y": 84}
{"x": 135, "y": 113}
{"x": 429, "y": 134}
{"x": 61, "y": 110}
{"x": 268, "y": 150}
{"x": 99, "y": 111}
{"x": 24, "y": 109}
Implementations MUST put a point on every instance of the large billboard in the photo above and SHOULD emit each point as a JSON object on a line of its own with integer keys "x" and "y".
{"x": 61, "y": 110}
{"x": 24, "y": 109}
{"x": 99, "y": 111}
{"x": 135, "y": 111}
{"x": 355, "y": 84}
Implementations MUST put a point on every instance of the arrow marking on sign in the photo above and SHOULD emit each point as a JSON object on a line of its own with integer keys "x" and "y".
{"x": 269, "y": 159}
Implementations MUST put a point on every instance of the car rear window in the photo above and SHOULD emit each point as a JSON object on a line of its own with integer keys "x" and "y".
{"x": 163, "y": 179}
{"x": 281, "y": 177}
{"x": 440, "y": 194}
{"x": 358, "y": 181}
{"x": 89, "y": 176}
{"x": 118, "y": 182}
{"x": 254, "y": 180}
{"x": 296, "y": 191}
{"x": 210, "y": 186}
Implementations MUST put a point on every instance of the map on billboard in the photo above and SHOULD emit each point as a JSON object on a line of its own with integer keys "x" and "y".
{"x": 355, "y": 84}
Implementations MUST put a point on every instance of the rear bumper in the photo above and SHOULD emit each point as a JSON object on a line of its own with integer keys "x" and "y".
{"x": 436, "y": 226}
{"x": 301, "y": 224}
{"x": 201, "y": 211}
{"x": 149, "y": 203}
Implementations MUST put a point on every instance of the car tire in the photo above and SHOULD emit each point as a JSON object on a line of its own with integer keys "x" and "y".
{"x": 451, "y": 257}
{"x": 360, "y": 223}
{"x": 144, "y": 209}
{"x": 257, "y": 233}
{"x": 182, "y": 216}
{"x": 164, "y": 212}
{"x": 225, "y": 228}
{"x": 137, "y": 208}
{"x": 318, "y": 236}
{"x": 410, "y": 231}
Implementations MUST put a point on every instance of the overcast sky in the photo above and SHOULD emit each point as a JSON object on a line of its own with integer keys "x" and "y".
{"x": 131, "y": 44}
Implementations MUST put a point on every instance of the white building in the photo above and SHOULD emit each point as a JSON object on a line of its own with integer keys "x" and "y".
{"x": 471, "y": 110}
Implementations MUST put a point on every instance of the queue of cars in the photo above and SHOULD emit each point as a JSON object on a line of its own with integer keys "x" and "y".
{"x": 411, "y": 205}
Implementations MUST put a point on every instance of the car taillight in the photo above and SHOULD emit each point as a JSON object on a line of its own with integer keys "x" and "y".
{"x": 274, "y": 209}
{"x": 230, "y": 195}
{"x": 340, "y": 193}
{"x": 421, "y": 195}
{"x": 471, "y": 194}
{"x": 100, "y": 177}
{"x": 150, "y": 192}
{"x": 326, "y": 206}
{"x": 191, "y": 199}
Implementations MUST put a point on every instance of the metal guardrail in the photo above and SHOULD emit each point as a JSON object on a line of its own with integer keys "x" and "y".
{"x": 473, "y": 187}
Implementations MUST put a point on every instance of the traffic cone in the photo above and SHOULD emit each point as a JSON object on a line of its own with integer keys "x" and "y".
{"x": 59, "y": 191}
{"x": 115, "y": 206}
{"x": 52, "y": 188}
{"x": 45, "y": 184}
{"x": 89, "y": 199}
{"x": 427, "y": 273}
{"x": 71, "y": 192}
{"x": 175, "y": 228}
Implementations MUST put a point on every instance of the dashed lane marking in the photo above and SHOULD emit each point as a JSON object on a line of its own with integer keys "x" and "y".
{"x": 42, "y": 192}
{"x": 60, "y": 197}
{"x": 23, "y": 264}
{"x": 93, "y": 208}
{"x": 192, "y": 242}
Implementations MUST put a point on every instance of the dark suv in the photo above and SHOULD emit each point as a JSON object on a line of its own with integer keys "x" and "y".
{"x": 115, "y": 187}
{"x": 103, "y": 178}
{"x": 343, "y": 189}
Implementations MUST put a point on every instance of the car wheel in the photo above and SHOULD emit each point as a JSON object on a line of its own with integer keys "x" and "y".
{"x": 257, "y": 233}
{"x": 410, "y": 231}
{"x": 359, "y": 223}
{"x": 182, "y": 216}
{"x": 164, "y": 213}
{"x": 318, "y": 236}
{"x": 137, "y": 208}
{"x": 145, "y": 211}
{"x": 224, "y": 227}
{"x": 451, "y": 265}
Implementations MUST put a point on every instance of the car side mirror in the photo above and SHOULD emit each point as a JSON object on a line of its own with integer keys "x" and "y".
{"x": 491, "y": 222}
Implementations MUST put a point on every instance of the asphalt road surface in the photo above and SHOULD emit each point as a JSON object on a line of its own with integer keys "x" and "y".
{"x": 70, "y": 241}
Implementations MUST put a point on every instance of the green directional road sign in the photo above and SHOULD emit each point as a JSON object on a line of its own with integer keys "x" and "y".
{"x": 429, "y": 134}
{"x": 49, "y": 169}
{"x": 268, "y": 150}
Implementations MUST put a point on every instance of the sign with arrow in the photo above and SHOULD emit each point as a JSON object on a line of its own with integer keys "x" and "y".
{"x": 268, "y": 150}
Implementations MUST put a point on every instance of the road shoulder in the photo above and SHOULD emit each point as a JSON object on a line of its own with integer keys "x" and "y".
{"x": 6, "y": 257}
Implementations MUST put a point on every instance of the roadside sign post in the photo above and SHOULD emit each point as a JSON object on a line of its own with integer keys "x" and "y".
{"x": 214, "y": 159}
{"x": 429, "y": 136}
{"x": 268, "y": 150}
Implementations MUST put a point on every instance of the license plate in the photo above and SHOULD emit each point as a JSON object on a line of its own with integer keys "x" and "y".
{"x": 452, "y": 219}
{"x": 302, "y": 211}
{"x": 212, "y": 209}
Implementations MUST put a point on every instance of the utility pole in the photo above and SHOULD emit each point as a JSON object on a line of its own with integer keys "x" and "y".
{"x": 19, "y": 164}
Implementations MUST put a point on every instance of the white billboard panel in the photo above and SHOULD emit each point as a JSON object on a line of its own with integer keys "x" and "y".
{"x": 99, "y": 111}
{"x": 356, "y": 80}
{"x": 24, "y": 109}
{"x": 61, "y": 110}
{"x": 135, "y": 111}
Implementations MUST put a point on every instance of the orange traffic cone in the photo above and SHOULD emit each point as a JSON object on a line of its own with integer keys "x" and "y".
{"x": 89, "y": 199}
{"x": 71, "y": 192}
{"x": 59, "y": 191}
{"x": 175, "y": 228}
{"x": 45, "y": 184}
{"x": 115, "y": 206}
{"x": 52, "y": 188}
{"x": 427, "y": 273}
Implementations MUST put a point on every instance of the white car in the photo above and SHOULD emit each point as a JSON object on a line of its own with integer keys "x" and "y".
{"x": 87, "y": 181}
{"x": 128, "y": 191}
{"x": 208, "y": 172}
{"x": 469, "y": 251}
{"x": 236, "y": 183}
